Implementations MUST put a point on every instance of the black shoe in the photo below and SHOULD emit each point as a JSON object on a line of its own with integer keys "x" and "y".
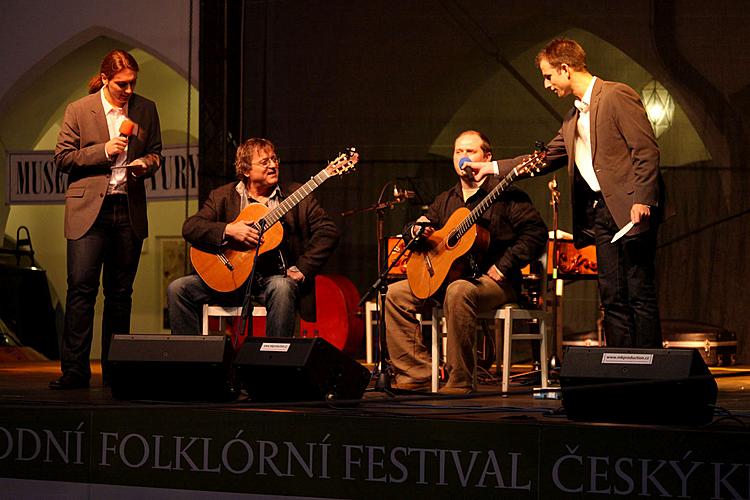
{"x": 68, "y": 381}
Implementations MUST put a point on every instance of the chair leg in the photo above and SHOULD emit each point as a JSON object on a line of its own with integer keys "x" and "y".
{"x": 435, "y": 351}
{"x": 204, "y": 331}
{"x": 507, "y": 329}
{"x": 543, "y": 354}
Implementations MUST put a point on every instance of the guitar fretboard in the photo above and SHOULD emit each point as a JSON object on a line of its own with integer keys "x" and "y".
{"x": 482, "y": 207}
{"x": 300, "y": 194}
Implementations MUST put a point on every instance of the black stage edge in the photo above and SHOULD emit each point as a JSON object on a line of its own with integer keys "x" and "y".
{"x": 85, "y": 444}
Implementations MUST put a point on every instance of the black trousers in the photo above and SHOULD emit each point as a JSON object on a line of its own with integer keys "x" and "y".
{"x": 110, "y": 245}
{"x": 627, "y": 281}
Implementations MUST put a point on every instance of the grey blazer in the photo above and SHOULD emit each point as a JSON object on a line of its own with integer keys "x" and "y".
{"x": 80, "y": 154}
{"x": 625, "y": 156}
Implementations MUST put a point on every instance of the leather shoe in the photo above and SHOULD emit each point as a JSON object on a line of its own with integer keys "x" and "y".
{"x": 456, "y": 391}
{"x": 68, "y": 381}
{"x": 411, "y": 386}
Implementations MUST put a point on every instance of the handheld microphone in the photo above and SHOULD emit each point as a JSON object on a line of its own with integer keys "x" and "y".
{"x": 127, "y": 128}
{"x": 461, "y": 162}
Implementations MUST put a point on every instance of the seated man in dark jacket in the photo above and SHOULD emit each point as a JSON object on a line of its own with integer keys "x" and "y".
{"x": 517, "y": 236}
{"x": 284, "y": 275}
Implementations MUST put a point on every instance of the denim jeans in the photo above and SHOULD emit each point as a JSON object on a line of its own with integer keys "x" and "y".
{"x": 186, "y": 296}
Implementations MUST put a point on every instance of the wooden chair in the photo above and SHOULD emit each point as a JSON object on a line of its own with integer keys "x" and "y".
{"x": 504, "y": 336}
{"x": 225, "y": 311}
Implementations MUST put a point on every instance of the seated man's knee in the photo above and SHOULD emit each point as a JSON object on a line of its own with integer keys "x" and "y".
{"x": 461, "y": 290}
{"x": 398, "y": 292}
{"x": 282, "y": 287}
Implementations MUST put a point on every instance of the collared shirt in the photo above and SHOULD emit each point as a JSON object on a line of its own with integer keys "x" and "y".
{"x": 583, "y": 156}
{"x": 274, "y": 199}
{"x": 469, "y": 192}
{"x": 118, "y": 182}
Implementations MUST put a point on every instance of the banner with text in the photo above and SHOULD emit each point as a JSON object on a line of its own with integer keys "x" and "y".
{"x": 32, "y": 177}
{"x": 344, "y": 453}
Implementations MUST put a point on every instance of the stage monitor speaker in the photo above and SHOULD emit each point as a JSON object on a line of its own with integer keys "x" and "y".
{"x": 171, "y": 367}
{"x": 644, "y": 386}
{"x": 298, "y": 369}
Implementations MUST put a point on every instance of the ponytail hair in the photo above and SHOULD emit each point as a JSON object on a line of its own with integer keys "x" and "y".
{"x": 114, "y": 62}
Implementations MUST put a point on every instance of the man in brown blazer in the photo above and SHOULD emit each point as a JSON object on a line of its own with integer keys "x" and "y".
{"x": 109, "y": 142}
{"x": 284, "y": 278}
{"x": 608, "y": 146}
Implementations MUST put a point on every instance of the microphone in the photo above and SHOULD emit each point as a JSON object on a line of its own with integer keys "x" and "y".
{"x": 403, "y": 194}
{"x": 461, "y": 163}
{"x": 127, "y": 128}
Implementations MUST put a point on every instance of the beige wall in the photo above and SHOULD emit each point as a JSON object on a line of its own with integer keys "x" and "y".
{"x": 42, "y": 76}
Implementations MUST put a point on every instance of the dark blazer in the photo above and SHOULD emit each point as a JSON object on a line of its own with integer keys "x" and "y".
{"x": 80, "y": 154}
{"x": 625, "y": 157}
{"x": 310, "y": 236}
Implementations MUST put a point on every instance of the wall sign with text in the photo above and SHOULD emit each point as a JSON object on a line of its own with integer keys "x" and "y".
{"x": 32, "y": 177}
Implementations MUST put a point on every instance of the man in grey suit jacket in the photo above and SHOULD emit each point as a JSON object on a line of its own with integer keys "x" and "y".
{"x": 608, "y": 146}
{"x": 109, "y": 142}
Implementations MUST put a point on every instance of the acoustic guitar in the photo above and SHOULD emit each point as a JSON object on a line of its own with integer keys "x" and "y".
{"x": 428, "y": 269}
{"x": 227, "y": 269}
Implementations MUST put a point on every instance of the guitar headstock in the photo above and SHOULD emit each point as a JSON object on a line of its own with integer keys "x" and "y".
{"x": 535, "y": 162}
{"x": 343, "y": 163}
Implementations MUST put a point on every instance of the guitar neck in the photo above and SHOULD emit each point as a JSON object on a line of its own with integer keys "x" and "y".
{"x": 300, "y": 194}
{"x": 482, "y": 207}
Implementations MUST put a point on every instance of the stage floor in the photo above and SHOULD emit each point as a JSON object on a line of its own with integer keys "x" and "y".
{"x": 26, "y": 383}
{"x": 85, "y": 444}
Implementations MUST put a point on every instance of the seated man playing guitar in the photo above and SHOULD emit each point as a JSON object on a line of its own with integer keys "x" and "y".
{"x": 298, "y": 239}
{"x": 513, "y": 234}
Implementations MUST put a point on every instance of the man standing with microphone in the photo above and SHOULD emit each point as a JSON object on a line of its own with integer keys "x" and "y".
{"x": 608, "y": 147}
{"x": 106, "y": 157}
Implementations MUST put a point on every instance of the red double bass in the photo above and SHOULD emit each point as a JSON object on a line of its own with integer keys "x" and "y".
{"x": 338, "y": 320}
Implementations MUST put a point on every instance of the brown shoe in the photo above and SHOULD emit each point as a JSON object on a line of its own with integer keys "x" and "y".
{"x": 411, "y": 386}
{"x": 455, "y": 391}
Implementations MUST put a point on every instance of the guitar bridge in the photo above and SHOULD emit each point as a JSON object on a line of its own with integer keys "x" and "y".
{"x": 225, "y": 261}
{"x": 428, "y": 263}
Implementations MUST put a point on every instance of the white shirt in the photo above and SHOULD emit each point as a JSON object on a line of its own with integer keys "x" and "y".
{"x": 118, "y": 182}
{"x": 583, "y": 157}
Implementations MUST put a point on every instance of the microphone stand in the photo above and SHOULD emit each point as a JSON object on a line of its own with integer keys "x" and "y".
{"x": 557, "y": 337}
{"x": 381, "y": 371}
{"x": 246, "y": 308}
{"x": 381, "y": 287}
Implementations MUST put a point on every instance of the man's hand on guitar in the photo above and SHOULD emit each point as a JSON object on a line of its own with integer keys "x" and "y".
{"x": 243, "y": 231}
{"x": 422, "y": 224}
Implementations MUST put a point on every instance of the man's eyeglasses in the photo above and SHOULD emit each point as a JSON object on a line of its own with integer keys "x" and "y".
{"x": 265, "y": 162}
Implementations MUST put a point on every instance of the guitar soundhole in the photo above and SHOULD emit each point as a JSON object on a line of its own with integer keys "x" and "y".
{"x": 452, "y": 240}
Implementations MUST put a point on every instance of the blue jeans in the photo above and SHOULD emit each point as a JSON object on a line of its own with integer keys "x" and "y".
{"x": 112, "y": 245}
{"x": 186, "y": 296}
